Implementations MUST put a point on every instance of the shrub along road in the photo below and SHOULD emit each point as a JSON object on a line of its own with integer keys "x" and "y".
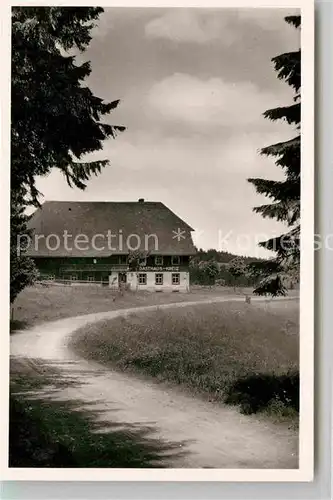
{"x": 209, "y": 435}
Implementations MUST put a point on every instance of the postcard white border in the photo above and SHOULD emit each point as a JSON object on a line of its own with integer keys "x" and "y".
{"x": 306, "y": 432}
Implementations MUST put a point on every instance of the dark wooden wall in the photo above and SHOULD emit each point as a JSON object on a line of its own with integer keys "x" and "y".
{"x": 99, "y": 268}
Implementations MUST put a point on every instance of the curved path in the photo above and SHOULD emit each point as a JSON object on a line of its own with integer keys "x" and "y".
{"x": 209, "y": 435}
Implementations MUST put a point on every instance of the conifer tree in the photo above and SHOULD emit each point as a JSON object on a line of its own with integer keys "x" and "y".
{"x": 23, "y": 271}
{"x": 56, "y": 120}
{"x": 284, "y": 195}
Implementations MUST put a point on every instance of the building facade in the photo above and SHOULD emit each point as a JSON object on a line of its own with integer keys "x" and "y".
{"x": 133, "y": 245}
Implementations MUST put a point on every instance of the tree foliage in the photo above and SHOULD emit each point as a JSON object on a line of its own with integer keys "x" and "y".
{"x": 284, "y": 195}
{"x": 136, "y": 258}
{"x": 220, "y": 256}
{"x": 22, "y": 269}
{"x": 56, "y": 120}
{"x": 237, "y": 267}
{"x": 210, "y": 268}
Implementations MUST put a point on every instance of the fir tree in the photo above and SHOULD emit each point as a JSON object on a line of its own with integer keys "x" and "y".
{"x": 285, "y": 195}
{"x": 23, "y": 271}
{"x": 56, "y": 120}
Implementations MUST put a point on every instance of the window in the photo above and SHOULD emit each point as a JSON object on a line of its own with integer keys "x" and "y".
{"x": 159, "y": 279}
{"x": 142, "y": 279}
{"x": 159, "y": 260}
{"x": 175, "y": 278}
{"x": 175, "y": 260}
{"x": 51, "y": 277}
{"x": 122, "y": 259}
{"x": 91, "y": 278}
{"x": 73, "y": 277}
{"x": 143, "y": 261}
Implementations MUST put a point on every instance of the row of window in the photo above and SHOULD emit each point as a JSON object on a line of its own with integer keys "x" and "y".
{"x": 175, "y": 278}
{"x": 142, "y": 278}
{"x": 175, "y": 260}
{"x": 74, "y": 277}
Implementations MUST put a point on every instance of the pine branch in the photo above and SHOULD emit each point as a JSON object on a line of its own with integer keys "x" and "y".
{"x": 55, "y": 118}
{"x": 294, "y": 20}
{"x": 283, "y": 212}
{"x": 280, "y": 148}
{"x": 291, "y": 114}
{"x": 288, "y": 67}
{"x": 287, "y": 247}
{"x": 77, "y": 173}
{"x": 272, "y": 285}
{"x": 277, "y": 190}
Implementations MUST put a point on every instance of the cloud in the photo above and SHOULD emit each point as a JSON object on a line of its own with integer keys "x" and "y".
{"x": 190, "y": 25}
{"x": 203, "y": 182}
{"x": 210, "y": 103}
{"x": 227, "y": 26}
{"x": 193, "y": 91}
{"x": 269, "y": 19}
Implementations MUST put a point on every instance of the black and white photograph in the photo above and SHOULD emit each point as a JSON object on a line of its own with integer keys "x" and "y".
{"x": 156, "y": 243}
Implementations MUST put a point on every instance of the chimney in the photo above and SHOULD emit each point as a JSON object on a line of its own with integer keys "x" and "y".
{"x": 141, "y": 200}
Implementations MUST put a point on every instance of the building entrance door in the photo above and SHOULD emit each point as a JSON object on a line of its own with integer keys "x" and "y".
{"x": 122, "y": 279}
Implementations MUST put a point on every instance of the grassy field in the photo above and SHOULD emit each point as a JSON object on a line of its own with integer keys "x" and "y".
{"x": 234, "y": 352}
{"x": 46, "y": 303}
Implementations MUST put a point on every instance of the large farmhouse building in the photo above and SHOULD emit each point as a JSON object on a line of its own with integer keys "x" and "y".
{"x": 138, "y": 245}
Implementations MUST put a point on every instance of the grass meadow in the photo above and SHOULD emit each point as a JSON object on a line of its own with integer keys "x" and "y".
{"x": 238, "y": 353}
{"x": 41, "y": 303}
{"x": 234, "y": 352}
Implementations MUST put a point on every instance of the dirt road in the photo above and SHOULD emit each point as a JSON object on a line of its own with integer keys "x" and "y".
{"x": 209, "y": 435}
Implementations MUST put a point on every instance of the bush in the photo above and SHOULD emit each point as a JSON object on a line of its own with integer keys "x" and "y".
{"x": 256, "y": 392}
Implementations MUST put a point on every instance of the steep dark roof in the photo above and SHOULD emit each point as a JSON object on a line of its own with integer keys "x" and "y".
{"x": 97, "y": 218}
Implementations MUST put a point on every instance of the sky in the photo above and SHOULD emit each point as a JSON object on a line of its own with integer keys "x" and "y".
{"x": 193, "y": 85}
